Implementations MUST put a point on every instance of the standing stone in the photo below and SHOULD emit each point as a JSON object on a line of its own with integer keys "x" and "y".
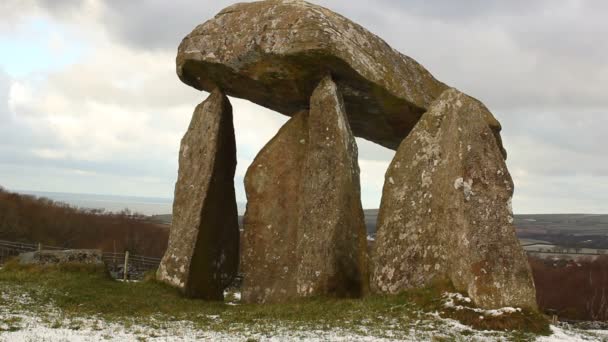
{"x": 202, "y": 256}
{"x": 446, "y": 211}
{"x": 332, "y": 238}
{"x": 304, "y": 228}
{"x": 272, "y": 184}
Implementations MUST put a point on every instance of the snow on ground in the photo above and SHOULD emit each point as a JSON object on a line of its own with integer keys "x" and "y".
{"x": 451, "y": 301}
{"x": 178, "y": 331}
{"x": 565, "y": 333}
{"x": 22, "y": 320}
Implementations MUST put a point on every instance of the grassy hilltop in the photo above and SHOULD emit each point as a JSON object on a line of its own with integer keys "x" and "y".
{"x": 77, "y": 297}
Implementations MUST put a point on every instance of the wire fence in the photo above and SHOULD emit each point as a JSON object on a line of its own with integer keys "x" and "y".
{"x": 10, "y": 249}
{"x": 136, "y": 265}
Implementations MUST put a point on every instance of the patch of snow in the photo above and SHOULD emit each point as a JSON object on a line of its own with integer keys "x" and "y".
{"x": 451, "y": 301}
{"x": 564, "y": 332}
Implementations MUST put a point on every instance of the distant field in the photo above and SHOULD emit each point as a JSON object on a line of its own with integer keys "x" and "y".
{"x": 550, "y": 224}
{"x": 580, "y": 231}
{"x": 576, "y": 224}
{"x": 579, "y": 224}
{"x": 566, "y": 230}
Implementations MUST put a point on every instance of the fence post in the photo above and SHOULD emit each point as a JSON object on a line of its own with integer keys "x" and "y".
{"x": 126, "y": 269}
{"x": 39, "y": 246}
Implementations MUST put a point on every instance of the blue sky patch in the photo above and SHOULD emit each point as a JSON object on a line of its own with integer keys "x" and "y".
{"x": 38, "y": 45}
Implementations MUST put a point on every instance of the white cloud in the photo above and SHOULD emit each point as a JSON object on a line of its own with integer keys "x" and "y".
{"x": 111, "y": 121}
{"x": 372, "y": 180}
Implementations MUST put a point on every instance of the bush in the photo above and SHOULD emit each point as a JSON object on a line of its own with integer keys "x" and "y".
{"x": 575, "y": 290}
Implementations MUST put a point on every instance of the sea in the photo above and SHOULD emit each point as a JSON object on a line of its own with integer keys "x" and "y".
{"x": 114, "y": 203}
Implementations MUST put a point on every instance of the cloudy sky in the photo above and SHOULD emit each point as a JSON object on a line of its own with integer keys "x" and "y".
{"x": 90, "y": 103}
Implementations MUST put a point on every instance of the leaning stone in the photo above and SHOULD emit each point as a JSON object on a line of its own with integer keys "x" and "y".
{"x": 446, "y": 211}
{"x": 202, "y": 255}
{"x": 71, "y": 256}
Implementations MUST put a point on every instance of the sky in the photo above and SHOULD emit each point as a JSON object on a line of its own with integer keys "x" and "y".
{"x": 90, "y": 103}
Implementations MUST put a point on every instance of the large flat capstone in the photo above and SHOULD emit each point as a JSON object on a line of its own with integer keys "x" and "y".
{"x": 202, "y": 255}
{"x": 275, "y": 52}
{"x": 446, "y": 211}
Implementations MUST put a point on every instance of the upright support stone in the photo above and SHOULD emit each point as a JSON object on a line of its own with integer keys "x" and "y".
{"x": 304, "y": 228}
{"x": 202, "y": 255}
{"x": 332, "y": 239}
{"x": 446, "y": 210}
{"x": 272, "y": 184}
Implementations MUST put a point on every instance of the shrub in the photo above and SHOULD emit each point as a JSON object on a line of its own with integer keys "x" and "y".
{"x": 575, "y": 290}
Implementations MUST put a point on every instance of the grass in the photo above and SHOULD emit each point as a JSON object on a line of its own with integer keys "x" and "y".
{"x": 10, "y": 324}
{"x": 88, "y": 291}
{"x": 525, "y": 321}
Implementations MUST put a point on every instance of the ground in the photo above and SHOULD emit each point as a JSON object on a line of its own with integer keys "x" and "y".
{"x": 84, "y": 304}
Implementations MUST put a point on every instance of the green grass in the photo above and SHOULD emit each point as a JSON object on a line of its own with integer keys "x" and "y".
{"x": 86, "y": 291}
{"x": 522, "y": 322}
{"x": 10, "y": 324}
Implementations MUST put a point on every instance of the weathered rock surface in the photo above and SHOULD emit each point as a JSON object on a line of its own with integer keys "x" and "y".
{"x": 202, "y": 255}
{"x": 272, "y": 183}
{"x": 332, "y": 239}
{"x": 446, "y": 211}
{"x": 304, "y": 228}
{"x": 275, "y": 52}
{"x": 71, "y": 256}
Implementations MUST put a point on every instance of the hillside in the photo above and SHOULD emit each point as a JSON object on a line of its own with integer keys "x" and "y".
{"x": 573, "y": 230}
{"x": 27, "y": 218}
{"x": 567, "y": 230}
{"x": 84, "y": 303}
{"x": 580, "y": 224}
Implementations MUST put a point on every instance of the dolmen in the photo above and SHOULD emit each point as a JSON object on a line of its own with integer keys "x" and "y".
{"x": 445, "y": 212}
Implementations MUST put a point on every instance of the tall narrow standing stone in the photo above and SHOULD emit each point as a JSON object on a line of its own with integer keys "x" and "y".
{"x": 202, "y": 256}
{"x": 272, "y": 184}
{"x": 332, "y": 238}
{"x": 304, "y": 228}
{"x": 446, "y": 210}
